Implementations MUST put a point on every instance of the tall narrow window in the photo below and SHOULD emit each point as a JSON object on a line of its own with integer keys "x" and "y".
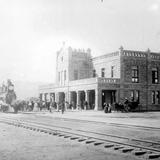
{"x": 153, "y": 97}
{"x": 75, "y": 74}
{"x": 112, "y": 71}
{"x": 137, "y": 96}
{"x": 59, "y": 76}
{"x": 94, "y": 73}
{"x": 154, "y": 75}
{"x": 103, "y": 72}
{"x": 157, "y": 97}
{"x": 65, "y": 75}
{"x": 132, "y": 95}
{"x": 135, "y": 77}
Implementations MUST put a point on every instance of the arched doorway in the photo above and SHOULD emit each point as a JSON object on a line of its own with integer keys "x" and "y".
{"x": 108, "y": 96}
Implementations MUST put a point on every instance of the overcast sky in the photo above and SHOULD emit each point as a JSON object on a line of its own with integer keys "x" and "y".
{"x": 31, "y": 31}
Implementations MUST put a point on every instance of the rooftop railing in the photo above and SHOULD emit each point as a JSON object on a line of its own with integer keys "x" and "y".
{"x": 95, "y": 80}
{"x": 47, "y": 86}
{"x": 108, "y": 80}
{"x": 88, "y": 81}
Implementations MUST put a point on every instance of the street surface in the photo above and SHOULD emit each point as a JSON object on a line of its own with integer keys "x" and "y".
{"x": 18, "y": 143}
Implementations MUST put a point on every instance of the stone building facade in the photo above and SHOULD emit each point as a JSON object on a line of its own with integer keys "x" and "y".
{"x": 108, "y": 78}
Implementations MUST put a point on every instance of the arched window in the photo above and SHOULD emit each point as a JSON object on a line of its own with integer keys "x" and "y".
{"x": 154, "y": 75}
{"x": 64, "y": 74}
{"x": 135, "y": 74}
{"x": 112, "y": 71}
{"x": 94, "y": 73}
{"x": 103, "y": 72}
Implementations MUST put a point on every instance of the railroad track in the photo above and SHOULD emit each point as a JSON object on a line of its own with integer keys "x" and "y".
{"x": 143, "y": 149}
{"x": 133, "y": 140}
{"x": 146, "y": 128}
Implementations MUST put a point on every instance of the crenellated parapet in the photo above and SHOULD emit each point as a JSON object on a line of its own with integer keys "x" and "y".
{"x": 130, "y": 53}
{"x": 141, "y": 54}
{"x": 155, "y": 56}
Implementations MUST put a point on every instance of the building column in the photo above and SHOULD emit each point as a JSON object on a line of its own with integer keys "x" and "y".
{"x": 45, "y": 97}
{"x": 52, "y": 97}
{"x": 98, "y": 99}
{"x": 87, "y": 97}
{"x": 48, "y": 97}
{"x": 69, "y": 97}
{"x": 40, "y": 96}
{"x": 117, "y": 95}
{"x": 121, "y": 93}
{"x": 66, "y": 96}
{"x": 56, "y": 97}
{"x": 57, "y": 100}
{"x": 65, "y": 100}
{"x": 78, "y": 99}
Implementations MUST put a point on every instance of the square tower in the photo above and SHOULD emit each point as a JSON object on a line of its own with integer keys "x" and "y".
{"x": 73, "y": 64}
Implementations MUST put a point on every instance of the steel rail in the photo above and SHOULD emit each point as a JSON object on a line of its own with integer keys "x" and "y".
{"x": 97, "y": 133}
{"x": 48, "y": 128}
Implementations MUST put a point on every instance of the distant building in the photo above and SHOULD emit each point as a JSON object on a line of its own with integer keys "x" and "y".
{"x": 108, "y": 78}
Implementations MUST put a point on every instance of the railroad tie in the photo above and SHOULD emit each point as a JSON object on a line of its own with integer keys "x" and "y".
{"x": 41, "y": 130}
{"x": 118, "y": 147}
{"x": 124, "y": 150}
{"x": 98, "y": 143}
{"x": 81, "y": 140}
{"x": 73, "y": 138}
{"x": 138, "y": 153}
{"x": 67, "y": 136}
{"x": 153, "y": 155}
{"x": 109, "y": 145}
{"x": 61, "y": 135}
{"x": 45, "y": 131}
{"x": 54, "y": 133}
{"x": 91, "y": 141}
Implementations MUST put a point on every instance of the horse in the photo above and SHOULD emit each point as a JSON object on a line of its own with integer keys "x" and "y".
{"x": 132, "y": 106}
{"x": 120, "y": 107}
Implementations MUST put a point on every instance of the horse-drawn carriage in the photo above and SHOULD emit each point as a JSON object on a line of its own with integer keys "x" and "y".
{"x": 128, "y": 107}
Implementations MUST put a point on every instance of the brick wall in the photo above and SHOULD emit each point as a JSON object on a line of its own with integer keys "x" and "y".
{"x": 80, "y": 61}
{"x": 106, "y": 62}
{"x": 145, "y": 63}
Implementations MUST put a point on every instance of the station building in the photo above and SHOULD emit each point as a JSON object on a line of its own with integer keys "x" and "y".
{"x": 108, "y": 78}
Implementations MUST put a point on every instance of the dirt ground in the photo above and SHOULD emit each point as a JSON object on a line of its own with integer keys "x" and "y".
{"x": 21, "y": 144}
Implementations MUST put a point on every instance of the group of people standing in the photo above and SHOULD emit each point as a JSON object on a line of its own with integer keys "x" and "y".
{"x": 61, "y": 106}
{"x": 50, "y": 106}
{"x": 107, "y": 108}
